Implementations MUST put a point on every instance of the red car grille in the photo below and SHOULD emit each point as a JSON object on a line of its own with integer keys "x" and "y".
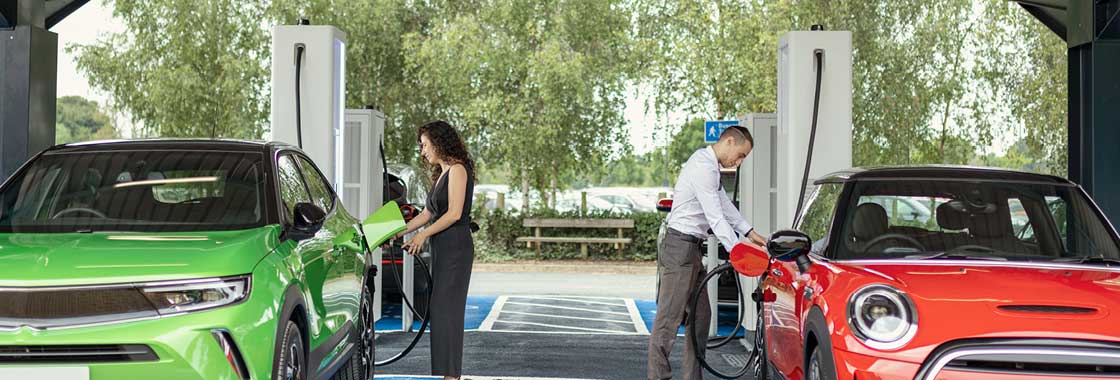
{"x": 1032, "y": 357}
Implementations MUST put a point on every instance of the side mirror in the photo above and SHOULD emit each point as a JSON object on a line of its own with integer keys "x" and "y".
{"x": 791, "y": 245}
{"x": 665, "y": 204}
{"x": 308, "y": 220}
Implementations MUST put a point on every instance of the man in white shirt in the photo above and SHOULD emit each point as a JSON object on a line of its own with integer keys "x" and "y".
{"x": 699, "y": 204}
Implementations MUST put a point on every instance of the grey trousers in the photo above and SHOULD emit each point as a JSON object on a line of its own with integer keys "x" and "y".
{"x": 681, "y": 272}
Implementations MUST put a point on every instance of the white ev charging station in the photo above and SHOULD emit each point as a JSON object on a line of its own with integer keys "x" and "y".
{"x": 770, "y": 177}
{"x": 363, "y": 182}
{"x": 309, "y": 83}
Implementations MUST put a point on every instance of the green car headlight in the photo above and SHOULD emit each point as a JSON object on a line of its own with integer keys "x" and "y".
{"x": 194, "y": 295}
{"x": 882, "y": 317}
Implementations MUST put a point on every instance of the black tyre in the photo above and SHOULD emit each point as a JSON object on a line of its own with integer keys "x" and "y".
{"x": 816, "y": 368}
{"x": 291, "y": 355}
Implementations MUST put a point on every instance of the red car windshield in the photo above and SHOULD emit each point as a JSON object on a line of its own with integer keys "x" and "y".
{"x": 972, "y": 220}
{"x": 146, "y": 191}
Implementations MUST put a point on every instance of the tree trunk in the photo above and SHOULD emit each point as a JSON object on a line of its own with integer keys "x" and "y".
{"x": 525, "y": 190}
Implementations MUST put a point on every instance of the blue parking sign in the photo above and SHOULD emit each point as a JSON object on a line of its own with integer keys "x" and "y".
{"x": 713, "y": 128}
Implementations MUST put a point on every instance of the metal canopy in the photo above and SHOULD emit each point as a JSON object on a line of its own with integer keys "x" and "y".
{"x": 28, "y": 12}
{"x": 1091, "y": 29}
{"x": 1052, "y": 13}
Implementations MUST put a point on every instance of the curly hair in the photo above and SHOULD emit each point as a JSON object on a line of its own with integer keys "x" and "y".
{"x": 448, "y": 145}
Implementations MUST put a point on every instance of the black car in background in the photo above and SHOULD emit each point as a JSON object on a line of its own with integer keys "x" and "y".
{"x": 407, "y": 188}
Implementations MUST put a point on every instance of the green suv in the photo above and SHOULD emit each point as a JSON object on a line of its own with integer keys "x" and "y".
{"x": 183, "y": 259}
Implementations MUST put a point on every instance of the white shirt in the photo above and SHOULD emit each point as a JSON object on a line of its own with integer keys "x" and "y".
{"x": 699, "y": 202}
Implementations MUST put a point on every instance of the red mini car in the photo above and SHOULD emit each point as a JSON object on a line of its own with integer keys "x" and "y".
{"x": 1015, "y": 276}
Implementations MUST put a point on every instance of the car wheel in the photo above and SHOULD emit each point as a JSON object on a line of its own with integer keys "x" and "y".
{"x": 291, "y": 357}
{"x": 815, "y": 369}
{"x": 360, "y": 365}
{"x": 762, "y": 362}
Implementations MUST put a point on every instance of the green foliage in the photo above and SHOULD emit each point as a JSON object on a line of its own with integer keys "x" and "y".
{"x": 78, "y": 119}
{"x": 535, "y": 86}
{"x": 184, "y": 68}
{"x": 496, "y": 239}
{"x": 538, "y": 86}
{"x": 930, "y": 79}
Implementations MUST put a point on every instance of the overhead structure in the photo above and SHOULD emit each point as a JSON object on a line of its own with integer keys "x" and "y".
{"x": 28, "y": 68}
{"x": 1091, "y": 29}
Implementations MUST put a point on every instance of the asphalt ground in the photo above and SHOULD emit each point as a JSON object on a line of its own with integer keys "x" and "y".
{"x": 550, "y": 336}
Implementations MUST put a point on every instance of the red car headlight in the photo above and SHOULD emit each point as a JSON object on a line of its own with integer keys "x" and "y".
{"x": 882, "y": 317}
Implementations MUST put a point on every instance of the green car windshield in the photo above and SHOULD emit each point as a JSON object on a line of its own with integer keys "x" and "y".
{"x": 141, "y": 191}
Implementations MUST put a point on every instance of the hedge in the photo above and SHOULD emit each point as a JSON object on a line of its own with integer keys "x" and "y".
{"x": 498, "y": 230}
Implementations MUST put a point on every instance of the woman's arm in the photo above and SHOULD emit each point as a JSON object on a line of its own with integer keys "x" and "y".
{"x": 456, "y": 198}
{"x": 417, "y": 222}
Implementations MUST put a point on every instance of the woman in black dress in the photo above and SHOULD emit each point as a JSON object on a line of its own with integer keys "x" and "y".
{"x": 449, "y": 209}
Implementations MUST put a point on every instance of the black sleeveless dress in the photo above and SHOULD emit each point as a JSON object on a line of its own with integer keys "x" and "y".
{"x": 452, "y": 258}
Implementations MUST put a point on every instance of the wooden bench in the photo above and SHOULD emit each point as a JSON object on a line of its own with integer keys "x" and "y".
{"x": 537, "y": 224}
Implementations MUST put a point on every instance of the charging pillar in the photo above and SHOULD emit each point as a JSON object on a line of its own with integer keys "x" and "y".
{"x": 322, "y": 94}
{"x": 711, "y": 261}
{"x": 409, "y": 263}
{"x": 363, "y": 178}
{"x": 770, "y": 177}
{"x": 758, "y": 191}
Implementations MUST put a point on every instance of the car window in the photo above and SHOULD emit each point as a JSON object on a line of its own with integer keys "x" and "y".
{"x": 182, "y": 185}
{"x": 1058, "y": 210}
{"x": 817, "y": 217}
{"x": 292, "y": 190}
{"x": 906, "y": 210}
{"x": 164, "y": 190}
{"x": 1020, "y": 222}
{"x": 321, "y": 192}
{"x": 988, "y": 219}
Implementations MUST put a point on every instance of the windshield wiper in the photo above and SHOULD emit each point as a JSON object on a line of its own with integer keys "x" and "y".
{"x": 956, "y": 256}
{"x": 1091, "y": 260}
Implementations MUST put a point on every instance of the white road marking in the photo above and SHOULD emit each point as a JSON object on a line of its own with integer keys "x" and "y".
{"x": 488, "y": 323}
{"x": 636, "y": 317}
{"x": 564, "y": 317}
{"x": 566, "y": 327}
{"x": 567, "y": 308}
{"x": 579, "y": 300}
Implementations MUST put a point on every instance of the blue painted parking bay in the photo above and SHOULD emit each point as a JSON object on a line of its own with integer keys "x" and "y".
{"x": 548, "y": 337}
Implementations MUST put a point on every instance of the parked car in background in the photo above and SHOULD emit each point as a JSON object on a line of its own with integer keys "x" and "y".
{"x": 490, "y": 193}
{"x": 969, "y": 297}
{"x": 181, "y": 259}
{"x": 572, "y": 201}
{"x": 911, "y": 210}
{"x": 408, "y": 189}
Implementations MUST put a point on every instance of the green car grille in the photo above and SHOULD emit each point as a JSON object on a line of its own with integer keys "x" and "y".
{"x": 61, "y": 307}
{"x": 105, "y": 353}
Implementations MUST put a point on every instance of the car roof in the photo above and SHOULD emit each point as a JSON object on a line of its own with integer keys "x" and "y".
{"x": 939, "y": 172}
{"x": 171, "y": 143}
